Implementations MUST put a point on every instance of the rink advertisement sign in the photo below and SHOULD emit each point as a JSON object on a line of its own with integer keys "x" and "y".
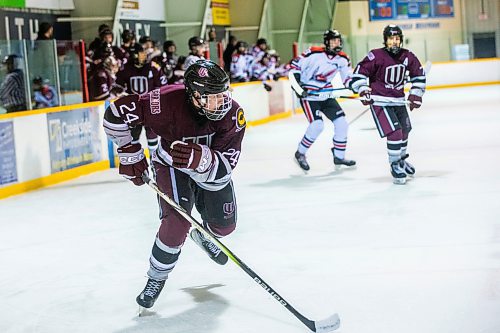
{"x": 8, "y": 172}
{"x": 73, "y": 138}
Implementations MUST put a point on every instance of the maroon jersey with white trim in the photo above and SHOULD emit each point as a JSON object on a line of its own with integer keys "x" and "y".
{"x": 385, "y": 74}
{"x": 141, "y": 80}
{"x": 169, "y": 114}
{"x": 100, "y": 83}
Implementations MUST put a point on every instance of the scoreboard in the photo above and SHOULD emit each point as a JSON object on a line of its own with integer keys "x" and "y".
{"x": 409, "y": 9}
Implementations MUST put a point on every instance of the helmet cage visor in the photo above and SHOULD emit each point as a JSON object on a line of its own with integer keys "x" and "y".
{"x": 214, "y": 106}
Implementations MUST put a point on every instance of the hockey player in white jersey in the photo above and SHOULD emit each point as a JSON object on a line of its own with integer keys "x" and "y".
{"x": 197, "y": 49}
{"x": 240, "y": 63}
{"x": 311, "y": 77}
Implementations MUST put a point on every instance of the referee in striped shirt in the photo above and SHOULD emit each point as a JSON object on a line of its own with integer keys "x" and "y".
{"x": 12, "y": 96}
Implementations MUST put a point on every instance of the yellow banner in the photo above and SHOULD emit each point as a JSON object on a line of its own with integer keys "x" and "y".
{"x": 220, "y": 12}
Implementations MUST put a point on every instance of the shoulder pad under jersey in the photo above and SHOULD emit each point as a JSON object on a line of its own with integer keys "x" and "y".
{"x": 343, "y": 55}
{"x": 312, "y": 50}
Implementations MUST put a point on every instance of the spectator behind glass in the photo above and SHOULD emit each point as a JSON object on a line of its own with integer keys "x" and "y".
{"x": 212, "y": 35}
{"x": 228, "y": 53}
{"x": 12, "y": 95}
{"x": 45, "y": 31}
{"x": 45, "y": 96}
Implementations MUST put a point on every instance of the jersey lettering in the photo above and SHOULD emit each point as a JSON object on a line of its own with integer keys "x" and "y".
{"x": 130, "y": 118}
{"x": 127, "y": 108}
{"x": 232, "y": 156}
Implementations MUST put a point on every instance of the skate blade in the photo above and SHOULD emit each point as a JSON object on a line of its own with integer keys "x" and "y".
{"x": 144, "y": 312}
{"x": 344, "y": 167}
{"x": 304, "y": 170}
{"x": 399, "y": 181}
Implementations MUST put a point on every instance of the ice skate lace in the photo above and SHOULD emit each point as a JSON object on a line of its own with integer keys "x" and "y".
{"x": 214, "y": 249}
{"x": 152, "y": 288}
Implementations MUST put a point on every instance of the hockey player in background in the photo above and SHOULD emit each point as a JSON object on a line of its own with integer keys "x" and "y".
{"x": 197, "y": 49}
{"x": 140, "y": 77}
{"x": 379, "y": 78}
{"x": 168, "y": 60}
{"x": 240, "y": 63}
{"x": 201, "y": 129}
{"x": 102, "y": 80}
{"x": 311, "y": 78}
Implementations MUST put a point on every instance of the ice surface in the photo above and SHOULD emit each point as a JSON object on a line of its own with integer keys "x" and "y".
{"x": 419, "y": 258}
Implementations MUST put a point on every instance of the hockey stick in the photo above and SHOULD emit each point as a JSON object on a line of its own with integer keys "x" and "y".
{"x": 327, "y": 325}
{"x": 427, "y": 69}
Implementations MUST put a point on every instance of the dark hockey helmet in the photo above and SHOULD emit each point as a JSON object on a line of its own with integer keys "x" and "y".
{"x": 329, "y": 35}
{"x": 167, "y": 44}
{"x": 138, "y": 55}
{"x": 106, "y": 32}
{"x": 195, "y": 41}
{"x": 103, "y": 51}
{"x": 127, "y": 36}
{"x": 393, "y": 30}
{"x": 207, "y": 86}
{"x": 241, "y": 44}
{"x": 261, "y": 41}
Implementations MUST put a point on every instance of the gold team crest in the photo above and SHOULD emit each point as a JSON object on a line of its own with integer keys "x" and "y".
{"x": 240, "y": 120}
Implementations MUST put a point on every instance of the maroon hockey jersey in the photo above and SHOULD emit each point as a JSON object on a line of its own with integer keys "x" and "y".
{"x": 141, "y": 80}
{"x": 386, "y": 76}
{"x": 100, "y": 83}
{"x": 169, "y": 114}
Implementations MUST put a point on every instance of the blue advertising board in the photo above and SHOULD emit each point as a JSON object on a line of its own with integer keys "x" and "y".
{"x": 409, "y": 9}
{"x": 8, "y": 171}
{"x": 73, "y": 138}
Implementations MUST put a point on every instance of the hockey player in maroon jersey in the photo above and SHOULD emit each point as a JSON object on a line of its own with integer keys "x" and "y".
{"x": 102, "y": 80}
{"x": 200, "y": 129}
{"x": 140, "y": 77}
{"x": 311, "y": 78}
{"x": 379, "y": 78}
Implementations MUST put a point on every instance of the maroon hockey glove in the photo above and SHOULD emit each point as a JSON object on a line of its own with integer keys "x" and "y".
{"x": 415, "y": 101}
{"x": 192, "y": 156}
{"x": 365, "y": 97}
{"x": 132, "y": 163}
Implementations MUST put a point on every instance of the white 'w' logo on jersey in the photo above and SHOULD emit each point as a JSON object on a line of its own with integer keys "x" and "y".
{"x": 139, "y": 84}
{"x": 394, "y": 76}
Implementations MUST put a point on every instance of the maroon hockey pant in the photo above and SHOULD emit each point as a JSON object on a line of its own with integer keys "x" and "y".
{"x": 217, "y": 208}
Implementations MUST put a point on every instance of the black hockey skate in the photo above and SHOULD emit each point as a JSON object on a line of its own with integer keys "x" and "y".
{"x": 398, "y": 174}
{"x": 408, "y": 168}
{"x": 148, "y": 296}
{"x": 338, "y": 162}
{"x": 301, "y": 160}
{"x": 213, "y": 251}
